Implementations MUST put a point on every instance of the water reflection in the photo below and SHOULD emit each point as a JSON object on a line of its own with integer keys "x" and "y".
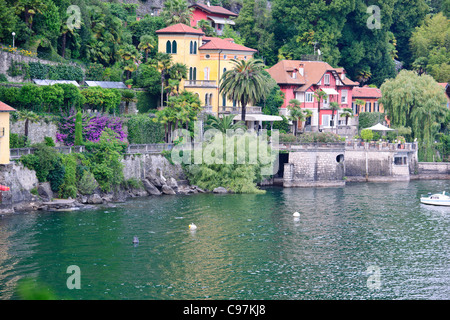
{"x": 245, "y": 246}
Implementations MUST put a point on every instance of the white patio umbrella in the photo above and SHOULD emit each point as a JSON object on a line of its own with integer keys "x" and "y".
{"x": 379, "y": 127}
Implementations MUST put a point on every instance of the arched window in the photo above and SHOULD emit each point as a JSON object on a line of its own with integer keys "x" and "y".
{"x": 191, "y": 48}
{"x": 194, "y": 73}
{"x": 210, "y": 98}
{"x": 190, "y": 73}
{"x": 174, "y": 46}
{"x": 206, "y": 100}
{"x": 168, "y": 47}
{"x": 206, "y": 73}
{"x": 195, "y": 47}
{"x": 224, "y": 100}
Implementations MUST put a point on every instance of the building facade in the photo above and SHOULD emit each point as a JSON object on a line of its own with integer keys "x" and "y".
{"x": 370, "y": 96}
{"x": 206, "y": 58}
{"x": 4, "y": 132}
{"x": 217, "y": 16}
{"x": 301, "y": 79}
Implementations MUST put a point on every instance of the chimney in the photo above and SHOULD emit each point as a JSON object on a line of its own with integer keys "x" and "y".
{"x": 300, "y": 69}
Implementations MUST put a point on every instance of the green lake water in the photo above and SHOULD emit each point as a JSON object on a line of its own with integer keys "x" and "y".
{"x": 245, "y": 247}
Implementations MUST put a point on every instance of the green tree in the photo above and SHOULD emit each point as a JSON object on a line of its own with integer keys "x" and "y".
{"x": 205, "y": 26}
{"x": 334, "y": 106}
{"x": 79, "y": 129}
{"x": 28, "y": 116}
{"x": 319, "y": 95}
{"x": 128, "y": 96}
{"x": 224, "y": 123}
{"x": 430, "y": 44}
{"x": 295, "y": 113}
{"x": 245, "y": 83}
{"x": 162, "y": 62}
{"x": 9, "y": 21}
{"x": 417, "y": 102}
{"x": 147, "y": 43}
{"x": 347, "y": 113}
{"x": 176, "y": 11}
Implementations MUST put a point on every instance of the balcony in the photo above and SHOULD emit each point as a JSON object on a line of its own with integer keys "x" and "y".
{"x": 237, "y": 110}
{"x": 200, "y": 84}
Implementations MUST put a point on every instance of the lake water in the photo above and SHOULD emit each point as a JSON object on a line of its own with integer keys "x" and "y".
{"x": 361, "y": 241}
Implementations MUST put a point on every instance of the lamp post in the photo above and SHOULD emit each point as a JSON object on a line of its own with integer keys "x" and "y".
{"x": 13, "y": 34}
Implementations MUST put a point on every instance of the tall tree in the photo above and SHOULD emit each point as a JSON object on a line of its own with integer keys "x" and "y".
{"x": 147, "y": 43}
{"x": 295, "y": 113}
{"x": 417, "y": 102}
{"x": 176, "y": 11}
{"x": 245, "y": 83}
{"x": 319, "y": 95}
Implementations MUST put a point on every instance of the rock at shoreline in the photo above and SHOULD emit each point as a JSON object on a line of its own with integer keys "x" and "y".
{"x": 95, "y": 199}
{"x": 171, "y": 182}
{"x": 44, "y": 191}
{"x": 167, "y": 190}
{"x": 150, "y": 188}
{"x": 220, "y": 190}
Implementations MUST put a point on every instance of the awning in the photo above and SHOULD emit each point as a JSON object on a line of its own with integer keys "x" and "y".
{"x": 379, "y": 127}
{"x": 258, "y": 117}
{"x": 221, "y": 20}
{"x": 329, "y": 91}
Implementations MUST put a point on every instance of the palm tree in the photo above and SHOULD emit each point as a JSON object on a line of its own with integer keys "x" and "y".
{"x": 347, "y": 113}
{"x": 127, "y": 97}
{"x": 223, "y": 124}
{"x": 245, "y": 83}
{"x": 176, "y": 11}
{"x": 28, "y": 116}
{"x": 359, "y": 103}
{"x": 319, "y": 95}
{"x": 295, "y": 113}
{"x": 363, "y": 76}
{"x": 147, "y": 43}
{"x": 162, "y": 62}
{"x": 178, "y": 71}
{"x": 334, "y": 106}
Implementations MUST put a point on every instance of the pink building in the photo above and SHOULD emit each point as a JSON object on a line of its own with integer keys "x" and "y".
{"x": 216, "y": 15}
{"x": 300, "y": 79}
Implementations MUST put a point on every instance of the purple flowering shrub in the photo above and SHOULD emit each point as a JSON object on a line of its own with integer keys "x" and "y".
{"x": 93, "y": 126}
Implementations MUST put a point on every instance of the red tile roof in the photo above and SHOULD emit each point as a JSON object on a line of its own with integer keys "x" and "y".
{"x": 214, "y": 9}
{"x": 366, "y": 92}
{"x": 5, "y": 108}
{"x": 313, "y": 71}
{"x": 213, "y": 43}
{"x": 180, "y": 28}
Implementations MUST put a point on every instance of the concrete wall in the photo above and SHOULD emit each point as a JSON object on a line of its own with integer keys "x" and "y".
{"x": 140, "y": 166}
{"x": 315, "y": 167}
{"x": 37, "y": 131}
{"x": 4, "y": 137}
{"x": 432, "y": 170}
{"x": 333, "y": 166}
{"x": 7, "y": 57}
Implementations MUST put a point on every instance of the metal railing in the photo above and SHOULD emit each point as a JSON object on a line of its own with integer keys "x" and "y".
{"x": 200, "y": 83}
{"x": 16, "y": 153}
{"x": 237, "y": 110}
{"x": 385, "y": 146}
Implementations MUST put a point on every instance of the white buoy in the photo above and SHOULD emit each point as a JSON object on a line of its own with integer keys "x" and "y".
{"x": 296, "y": 214}
{"x": 192, "y": 226}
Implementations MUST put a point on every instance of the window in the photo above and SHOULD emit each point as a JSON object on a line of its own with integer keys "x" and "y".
{"x": 206, "y": 70}
{"x": 309, "y": 97}
{"x": 224, "y": 57}
{"x": 195, "y": 47}
{"x": 168, "y": 47}
{"x": 294, "y": 75}
{"x": 174, "y": 46}
{"x": 368, "y": 107}
{"x": 190, "y": 73}
{"x": 207, "y": 56}
{"x": 194, "y": 74}
{"x": 224, "y": 100}
{"x": 235, "y": 57}
{"x": 326, "y": 120}
{"x": 376, "y": 107}
{"x": 245, "y": 57}
{"x": 300, "y": 96}
{"x": 206, "y": 99}
{"x": 191, "y": 47}
{"x": 344, "y": 96}
{"x": 326, "y": 80}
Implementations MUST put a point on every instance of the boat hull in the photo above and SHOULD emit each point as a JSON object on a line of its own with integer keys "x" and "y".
{"x": 435, "y": 202}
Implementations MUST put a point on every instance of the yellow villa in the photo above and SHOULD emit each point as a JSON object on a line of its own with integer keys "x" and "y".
{"x": 207, "y": 58}
{"x": 4, "y": 132}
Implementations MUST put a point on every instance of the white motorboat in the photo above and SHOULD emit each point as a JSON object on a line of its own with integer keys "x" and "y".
{"x": 437, "y": 199}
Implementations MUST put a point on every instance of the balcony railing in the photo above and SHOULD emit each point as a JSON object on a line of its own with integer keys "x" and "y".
{"x": 237, "y": 110}
{"x": 200, "y": 83}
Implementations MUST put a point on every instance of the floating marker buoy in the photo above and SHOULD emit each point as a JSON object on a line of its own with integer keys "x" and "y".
{"x": 296, "y": 214}
{"x": 135, "y": 240}
{"x": 192, "y": 226}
